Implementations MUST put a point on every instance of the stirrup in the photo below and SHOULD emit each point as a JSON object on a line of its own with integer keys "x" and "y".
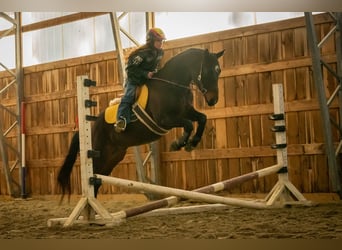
{"x": 120, "y": 125}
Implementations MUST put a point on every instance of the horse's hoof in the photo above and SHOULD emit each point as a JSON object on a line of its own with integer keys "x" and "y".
{"x": 174, "y": 146}
{"x": 188, "y": 147}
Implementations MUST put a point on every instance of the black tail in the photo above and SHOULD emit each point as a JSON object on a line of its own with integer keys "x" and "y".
{"x": 65, "y": 171}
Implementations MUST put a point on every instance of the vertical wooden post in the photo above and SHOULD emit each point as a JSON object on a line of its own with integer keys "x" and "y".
{"x": 85, "y": 137}
{"x": 284, "y": 191}
{"x": 88, "y": 204}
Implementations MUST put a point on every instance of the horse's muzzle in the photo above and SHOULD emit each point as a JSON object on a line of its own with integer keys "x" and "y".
{"x": 211, "y": 98}
{"x": 212, "y": 102}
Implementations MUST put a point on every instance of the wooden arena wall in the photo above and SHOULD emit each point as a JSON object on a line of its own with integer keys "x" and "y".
{"x": 237, "y": 137}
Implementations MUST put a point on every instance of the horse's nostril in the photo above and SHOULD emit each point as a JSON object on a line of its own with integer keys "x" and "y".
{"x": 211, "y": 98}
{"x": 212, "y": 102}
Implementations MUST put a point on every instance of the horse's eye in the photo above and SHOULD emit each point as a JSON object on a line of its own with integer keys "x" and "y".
{"x": 217, "y": 69}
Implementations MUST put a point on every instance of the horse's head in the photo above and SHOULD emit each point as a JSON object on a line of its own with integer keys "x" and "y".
{"x": 207, "y": 78}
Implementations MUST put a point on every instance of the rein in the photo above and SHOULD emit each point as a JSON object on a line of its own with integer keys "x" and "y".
{"x": 199, "y": 79}
{"x": 170, "y": 82}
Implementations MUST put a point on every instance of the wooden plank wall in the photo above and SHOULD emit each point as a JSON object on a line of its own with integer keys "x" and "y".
{"x": 237, "y": 137}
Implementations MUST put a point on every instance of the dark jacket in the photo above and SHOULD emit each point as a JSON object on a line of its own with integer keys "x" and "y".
{"x": 142, "y": 61}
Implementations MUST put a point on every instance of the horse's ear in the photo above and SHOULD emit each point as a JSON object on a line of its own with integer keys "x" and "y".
{"x": 218, "y": 55}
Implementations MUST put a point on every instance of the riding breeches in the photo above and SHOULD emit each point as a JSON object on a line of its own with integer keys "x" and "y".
{"x": 125, "y": 106}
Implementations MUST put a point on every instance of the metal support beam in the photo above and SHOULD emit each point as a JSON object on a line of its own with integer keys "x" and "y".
{"x": 18, "y": 84}
{"x": 338, "y": 37}
{"x": 5, "y": 163}
{"x": 118, "y": 45}
{"x": 150, "y": 21}
{"x": 153, "y": 155}
{"x": 317, "y": 64}
{"x": 20, "y": 99}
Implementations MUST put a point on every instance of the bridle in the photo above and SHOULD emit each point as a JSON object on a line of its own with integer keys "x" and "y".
{"x": 199, "y": 83}
{"x": 199, "y": 79}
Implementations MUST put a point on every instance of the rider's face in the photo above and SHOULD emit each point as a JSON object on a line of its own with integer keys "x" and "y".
{"x": 158, "y": 44}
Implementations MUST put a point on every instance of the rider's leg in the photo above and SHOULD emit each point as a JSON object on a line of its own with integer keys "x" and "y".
{"x": 124, "y": 110}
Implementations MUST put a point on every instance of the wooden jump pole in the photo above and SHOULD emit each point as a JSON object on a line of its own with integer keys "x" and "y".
{"x": 220, "y": 186}
{"x": 202, "y": 197}
{"x": 172, "y": 200}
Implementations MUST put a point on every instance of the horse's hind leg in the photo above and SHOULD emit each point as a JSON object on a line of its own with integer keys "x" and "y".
{"x": 110, "y": 157}
{"x": 183, "y": 140}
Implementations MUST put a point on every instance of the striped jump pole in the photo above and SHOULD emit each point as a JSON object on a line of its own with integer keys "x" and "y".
{"x": 200, "y": 194}
{"x": 172, "y": 200}
{"x": 219, "y": 186}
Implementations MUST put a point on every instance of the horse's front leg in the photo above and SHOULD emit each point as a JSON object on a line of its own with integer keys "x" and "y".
{"x": 201, "y": 119}
{"x": 183, "y": 140}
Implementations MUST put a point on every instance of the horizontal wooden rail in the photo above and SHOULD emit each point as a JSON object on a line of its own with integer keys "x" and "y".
{"x": 205, "y": 154}
{"x": 272, "y": 66}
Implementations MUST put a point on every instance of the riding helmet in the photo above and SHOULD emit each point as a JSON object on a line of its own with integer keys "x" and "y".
{"x": 155, "y": 34}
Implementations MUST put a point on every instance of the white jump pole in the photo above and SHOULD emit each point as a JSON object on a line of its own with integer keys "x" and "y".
{"x": 216, "y": 187}
{"x": 208, "y": 198}
{"x": 154, "y": 206}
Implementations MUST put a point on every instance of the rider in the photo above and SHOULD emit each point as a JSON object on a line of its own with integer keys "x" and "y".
{"x": 142, "y": 64}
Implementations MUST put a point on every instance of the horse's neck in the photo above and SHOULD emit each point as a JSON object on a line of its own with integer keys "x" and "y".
{"x": 175, "y": 73}
{"x": 182, "y": 68}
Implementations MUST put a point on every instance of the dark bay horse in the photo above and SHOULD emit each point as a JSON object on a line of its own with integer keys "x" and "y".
{"x": 170, "y": 105}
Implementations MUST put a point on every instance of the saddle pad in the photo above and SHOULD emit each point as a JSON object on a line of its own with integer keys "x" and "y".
{"x": 111, "y": 111}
